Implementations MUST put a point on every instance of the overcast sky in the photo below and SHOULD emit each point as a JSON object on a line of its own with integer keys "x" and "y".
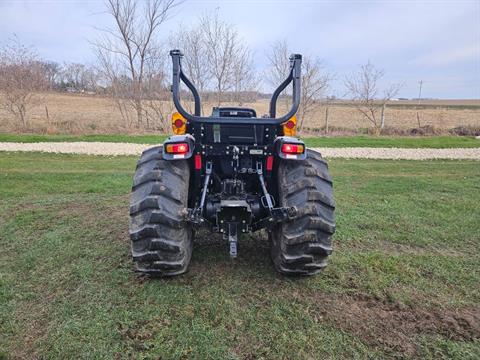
{"x": 434, "y": 41}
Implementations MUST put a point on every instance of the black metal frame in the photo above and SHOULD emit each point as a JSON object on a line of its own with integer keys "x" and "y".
{"x": 293, "y": 77}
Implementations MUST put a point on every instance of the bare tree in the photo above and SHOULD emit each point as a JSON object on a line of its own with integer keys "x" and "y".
{"x": 195, "y": 64}
{"x": 125, "y": 50}
{"x": 216, "y": 59}
{"x": 279, "y": 62}
{"x": 90, "y": 78}
{"x": 119, "y": 86}
{"x": 223, "y": 48}
{"x": 278, "y": 58}
{"x": 315, "y": 80}
{"x": 80, "y": 77}
{"x": 22, "y": 78}
{"x": 244, "y": 80}
{"x": 364, "y": 90}
{"x": 72, "y": 75}
{"x": 52, "y": 72}
{"x": 157, "y": 105}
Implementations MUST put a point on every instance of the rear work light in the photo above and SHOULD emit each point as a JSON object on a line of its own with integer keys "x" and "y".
{"x": 290, "y": 127}
{"x": 179, "y": 124}
{"x": 292, "y": 149}
{"x": 178, "y": 148}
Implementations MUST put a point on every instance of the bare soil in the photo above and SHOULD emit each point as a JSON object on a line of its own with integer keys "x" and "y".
{"x": 395, "y": 327}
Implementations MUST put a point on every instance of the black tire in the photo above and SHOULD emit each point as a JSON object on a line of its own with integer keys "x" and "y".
{"x": 302, "y": 246}
{"x": 161, "y": 239}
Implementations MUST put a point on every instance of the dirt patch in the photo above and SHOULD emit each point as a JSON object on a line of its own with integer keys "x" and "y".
{"x": 394, "y": 327}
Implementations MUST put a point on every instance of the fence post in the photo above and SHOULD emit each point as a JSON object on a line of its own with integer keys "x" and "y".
{"x": 326, "y": 120}
{"x": 46, "y": 112}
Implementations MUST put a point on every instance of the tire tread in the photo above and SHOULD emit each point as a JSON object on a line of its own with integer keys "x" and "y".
{"x": 303, "y": 245}
{"x": 161, "y": 239}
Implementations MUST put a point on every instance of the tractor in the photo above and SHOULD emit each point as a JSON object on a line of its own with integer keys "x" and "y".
{"x": 232, "y": 173}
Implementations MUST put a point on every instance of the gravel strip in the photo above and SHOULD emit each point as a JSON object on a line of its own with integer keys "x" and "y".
{"x": 398, "y": 154}
{"x": 88, "y": 148}
{"x": 105, "y": 148}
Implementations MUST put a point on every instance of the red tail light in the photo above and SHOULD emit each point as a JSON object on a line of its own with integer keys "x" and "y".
{"x": 269, "y": 163}
{"x": 293, "y": 149}
{"x": 180, "y": 148}
{"x": 198, "y": 162}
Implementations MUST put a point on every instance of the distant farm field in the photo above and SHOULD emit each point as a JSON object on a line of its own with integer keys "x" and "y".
{"x": 83, "y": 114}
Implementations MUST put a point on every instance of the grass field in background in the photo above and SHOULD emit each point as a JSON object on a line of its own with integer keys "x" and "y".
{"x": 402, "y": 282}
{"x": 439, "y": 142}
{"x": 85, "y": 114}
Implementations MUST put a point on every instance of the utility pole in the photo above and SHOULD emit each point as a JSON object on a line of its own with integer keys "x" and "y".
{"x": 420, "y": 83}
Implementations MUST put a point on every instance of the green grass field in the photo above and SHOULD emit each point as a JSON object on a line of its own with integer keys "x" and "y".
{"x": 439, "y": 142}
{"x": 403, "y": 281}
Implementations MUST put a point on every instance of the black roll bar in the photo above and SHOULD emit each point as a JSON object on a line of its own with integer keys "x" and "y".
{"x": 294, "y": 77}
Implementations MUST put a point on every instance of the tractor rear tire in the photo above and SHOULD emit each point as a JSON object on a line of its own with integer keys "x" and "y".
{"x": 161, "y": 240}
{"x": 301, "y": 246}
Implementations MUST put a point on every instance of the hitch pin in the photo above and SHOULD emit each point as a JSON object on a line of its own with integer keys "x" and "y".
{"x": 232, "y": 239}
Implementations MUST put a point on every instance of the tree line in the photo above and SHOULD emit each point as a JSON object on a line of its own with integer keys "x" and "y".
{"x": 132, "y": 61}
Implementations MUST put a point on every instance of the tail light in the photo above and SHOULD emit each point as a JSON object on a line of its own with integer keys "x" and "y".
{"x": 178, "y": 148}
{"x": 292, "y": 149}
{"x": 269, "y": 163}
{"x": 179, "y": 124}
{"x": 290, "y": 127}
{"x": 198, "y": 162}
